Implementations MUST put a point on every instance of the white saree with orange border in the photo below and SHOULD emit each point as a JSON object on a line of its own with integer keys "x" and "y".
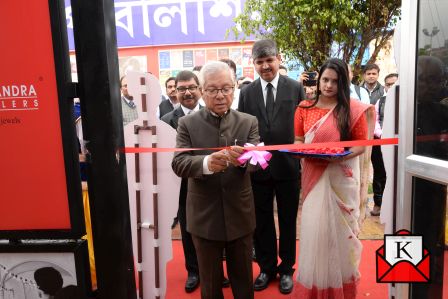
{"x": 330, "y": 251}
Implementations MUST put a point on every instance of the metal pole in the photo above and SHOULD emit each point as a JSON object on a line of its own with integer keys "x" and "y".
{"x": 97, "y": 63}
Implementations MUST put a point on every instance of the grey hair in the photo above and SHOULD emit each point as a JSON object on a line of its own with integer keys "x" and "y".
{"x": 264, "y": 48}
{"x": 213, "y": 67}
{"x": 431, "y": 64}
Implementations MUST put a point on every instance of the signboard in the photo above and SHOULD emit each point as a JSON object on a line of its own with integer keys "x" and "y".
{"x": 169, "y": 22}
{"x": 34, "y": 194}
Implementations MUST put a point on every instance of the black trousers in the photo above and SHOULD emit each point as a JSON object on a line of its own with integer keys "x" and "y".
{"x": 265, "y": 239}
{"x": 191, "y": 260}
{"x": 379, "y": 175}
{"x": 239, "y": 266}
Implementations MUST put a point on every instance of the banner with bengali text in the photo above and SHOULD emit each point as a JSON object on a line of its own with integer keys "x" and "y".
{"x": 169, "y": 22}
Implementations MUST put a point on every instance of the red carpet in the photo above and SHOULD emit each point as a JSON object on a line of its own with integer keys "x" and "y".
{"x": 368, "y": 287}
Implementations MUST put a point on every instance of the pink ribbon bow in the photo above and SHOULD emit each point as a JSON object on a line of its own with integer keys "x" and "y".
{"x": 255, "y": 157}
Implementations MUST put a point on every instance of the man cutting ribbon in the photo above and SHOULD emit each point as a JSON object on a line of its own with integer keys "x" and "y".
{"x": 220, "y": 204}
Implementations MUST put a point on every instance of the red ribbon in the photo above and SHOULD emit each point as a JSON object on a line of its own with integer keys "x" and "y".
{"x": 425, "y": 138}
{"x": 385, "y": 141}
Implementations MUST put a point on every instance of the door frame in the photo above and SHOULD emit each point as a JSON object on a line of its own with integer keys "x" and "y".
{"x": 409, "y": 164}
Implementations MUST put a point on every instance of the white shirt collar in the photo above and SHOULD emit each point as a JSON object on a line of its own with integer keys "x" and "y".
{"x": 216, "y": 115}
{"x": 126, "y": 99}
{"x": 274, "y": 82}
{"x": 172, "y": 103}
{"x": 370, "y": 90}
{"x": 187, "y": 110}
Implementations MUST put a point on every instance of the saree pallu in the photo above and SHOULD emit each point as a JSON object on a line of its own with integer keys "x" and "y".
{"x": 330, "y": 251}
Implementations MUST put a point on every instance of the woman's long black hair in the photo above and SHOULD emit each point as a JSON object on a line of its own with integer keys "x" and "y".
{"x": 342, "y": 109}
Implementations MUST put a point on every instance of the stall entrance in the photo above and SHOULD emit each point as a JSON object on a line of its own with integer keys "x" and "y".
{"x": 423, "y": 152}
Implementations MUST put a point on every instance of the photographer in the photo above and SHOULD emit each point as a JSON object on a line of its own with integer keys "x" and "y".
{"x": 309, "y": 81}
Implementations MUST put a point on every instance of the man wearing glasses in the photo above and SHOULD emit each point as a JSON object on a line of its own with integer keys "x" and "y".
{"x": 220, "y": 206}
{"x": 187, "y": 92}
{"x": 379, "y": 170}
{"x": 188, "y": 95}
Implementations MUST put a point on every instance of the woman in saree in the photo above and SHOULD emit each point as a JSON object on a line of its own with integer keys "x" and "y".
{"x": 330, "y": 251}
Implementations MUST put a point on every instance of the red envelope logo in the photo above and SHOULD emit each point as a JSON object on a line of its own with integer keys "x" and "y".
{"x": 401, "y": 269}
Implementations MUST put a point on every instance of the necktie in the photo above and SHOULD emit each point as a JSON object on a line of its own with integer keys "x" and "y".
{"x": 270, "y": 103}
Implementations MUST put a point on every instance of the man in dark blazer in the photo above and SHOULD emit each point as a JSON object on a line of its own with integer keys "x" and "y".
{"x": 220, "y": 206}
{"x": 172, "y": 102}
{"x": 188, "y": 94}
{"x": 273, "y": 99}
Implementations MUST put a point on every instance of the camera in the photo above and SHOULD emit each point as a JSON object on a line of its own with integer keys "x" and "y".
{"x": 312, "y": 81}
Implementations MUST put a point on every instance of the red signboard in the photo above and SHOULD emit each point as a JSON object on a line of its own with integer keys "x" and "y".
{"x": 33, "y": 189}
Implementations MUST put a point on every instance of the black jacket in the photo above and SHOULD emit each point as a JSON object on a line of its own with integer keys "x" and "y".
{"x": 165, "y": 107}
{"x": 172, "y": 118}
{"x": 376, "y": 93}
{"x": 281, "y": 131}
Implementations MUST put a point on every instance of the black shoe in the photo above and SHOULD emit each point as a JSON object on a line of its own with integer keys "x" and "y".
{"x": 192, "y": 283}
{"x": 225, "y": 282}
{"x": 262, "y": 281}
{"x": 376, "y": 211}
{"x": 286, "y": 284}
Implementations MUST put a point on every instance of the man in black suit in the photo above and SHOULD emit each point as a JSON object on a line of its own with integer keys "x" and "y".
{"x": 273, "y": 99}
{"x": 188, "y": 94}
{"x": 172, "y": 102}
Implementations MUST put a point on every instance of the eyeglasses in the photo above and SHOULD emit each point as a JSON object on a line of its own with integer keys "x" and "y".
{"x": 214, "y": 91}
{"x": 184, "y": 89}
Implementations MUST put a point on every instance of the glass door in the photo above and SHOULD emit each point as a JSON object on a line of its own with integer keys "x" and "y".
{"x": 423, "y": 151}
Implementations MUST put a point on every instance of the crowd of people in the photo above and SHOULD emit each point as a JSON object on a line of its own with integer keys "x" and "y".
{"x": 226, "y": 207}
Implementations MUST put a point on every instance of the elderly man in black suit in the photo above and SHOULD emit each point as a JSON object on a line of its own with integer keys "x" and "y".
{"x": 220, "y": 206}
{"x": 273, "y": 99}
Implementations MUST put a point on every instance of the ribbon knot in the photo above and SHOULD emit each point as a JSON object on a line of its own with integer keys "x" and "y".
{"x": 255, "y": 157}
